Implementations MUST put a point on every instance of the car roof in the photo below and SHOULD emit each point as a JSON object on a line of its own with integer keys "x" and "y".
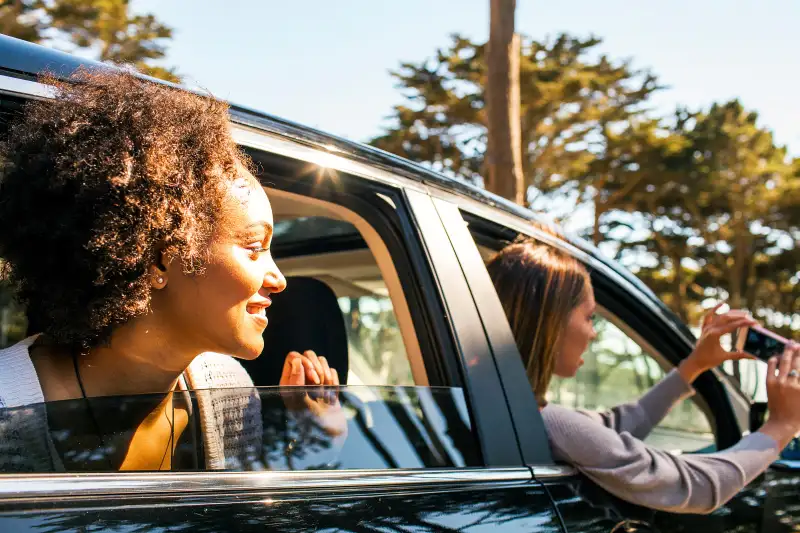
{"x": 27, "y": 60}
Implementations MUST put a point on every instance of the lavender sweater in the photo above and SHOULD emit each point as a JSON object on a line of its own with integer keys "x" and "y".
{"x": 607, "y": 448}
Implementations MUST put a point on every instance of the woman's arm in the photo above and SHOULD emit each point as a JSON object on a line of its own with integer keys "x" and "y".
{"x": 631, "y": 470}
{"x": 640, "y": 417}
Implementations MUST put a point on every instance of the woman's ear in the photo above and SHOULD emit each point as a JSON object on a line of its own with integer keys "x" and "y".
{"x": 158, "y": 277}
{"x": 159, "y": 272}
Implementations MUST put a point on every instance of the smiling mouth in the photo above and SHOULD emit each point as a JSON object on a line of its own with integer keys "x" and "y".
{"x": 257, "y": 310}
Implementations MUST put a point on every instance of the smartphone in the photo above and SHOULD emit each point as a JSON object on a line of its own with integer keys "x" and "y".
{"x": 760, "y": 342}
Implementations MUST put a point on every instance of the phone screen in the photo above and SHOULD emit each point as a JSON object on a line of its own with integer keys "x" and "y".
{"x": 761, "y": 345}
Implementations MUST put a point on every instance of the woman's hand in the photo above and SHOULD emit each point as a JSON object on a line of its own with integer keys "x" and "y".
{"x": 309, "y": 370}
{"x": 708, "y": 353}
{"x": 783, "y": 396}
{"x": 306, "y": 369}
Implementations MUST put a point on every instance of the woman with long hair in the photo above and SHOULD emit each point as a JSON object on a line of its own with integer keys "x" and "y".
{"x": 548, "y": 299}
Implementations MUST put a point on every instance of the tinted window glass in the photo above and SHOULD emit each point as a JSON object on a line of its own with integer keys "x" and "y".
{"x": 334, "y": 253}
{"x": 301, "y": 229}
{"x": 377, "y": 354}
{"x": 243, "y": 430}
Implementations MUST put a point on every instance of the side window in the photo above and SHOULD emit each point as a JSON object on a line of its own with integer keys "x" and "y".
{"x": 334, "y": 252}
{"x": 350, "y": 301}
{"x": 617, "y": 370}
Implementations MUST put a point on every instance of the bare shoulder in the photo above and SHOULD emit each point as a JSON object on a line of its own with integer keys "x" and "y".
{"x": 55, "y": 372}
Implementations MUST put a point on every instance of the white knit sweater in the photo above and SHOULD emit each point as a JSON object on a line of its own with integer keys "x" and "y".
{"x": 229, "y": 409}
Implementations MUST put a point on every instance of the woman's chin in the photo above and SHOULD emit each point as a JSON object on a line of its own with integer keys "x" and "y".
{"x": 248, "y": 348}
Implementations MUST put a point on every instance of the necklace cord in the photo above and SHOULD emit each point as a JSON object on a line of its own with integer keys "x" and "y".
{"x": 89, "y": 409}
{"x": 97, "y": 426}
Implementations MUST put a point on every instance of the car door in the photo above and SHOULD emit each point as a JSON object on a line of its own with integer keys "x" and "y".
{"x": 639, "y": 342}
{"x": 435, "y": 456}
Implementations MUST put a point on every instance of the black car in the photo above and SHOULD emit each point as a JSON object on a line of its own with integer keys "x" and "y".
{"x": 443, "y": 429}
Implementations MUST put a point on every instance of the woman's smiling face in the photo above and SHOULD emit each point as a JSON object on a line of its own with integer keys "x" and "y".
{"x": 224, "y": 309}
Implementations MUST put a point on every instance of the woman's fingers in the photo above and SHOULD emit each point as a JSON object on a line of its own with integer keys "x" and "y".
{"x": 334, "y": 377}
{"x": 293, "y": 374}
{"x": 312, "y": 356}
{"x": 735, "y": 356}
{"x": 326, "y": 370}
{"x": 289, "y": 369}
{"x": 709, "y": 316}
{"x": 313, "y": 375}
{"x": 713, "y": 320}
{"x": 785, "y": 365}
{"x": 729, "y": 325}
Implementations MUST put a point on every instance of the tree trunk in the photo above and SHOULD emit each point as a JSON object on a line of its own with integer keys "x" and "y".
{"x": 504, "y": 151}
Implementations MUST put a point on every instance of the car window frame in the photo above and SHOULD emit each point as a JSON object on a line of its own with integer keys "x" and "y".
{"x": 616, "y": 295}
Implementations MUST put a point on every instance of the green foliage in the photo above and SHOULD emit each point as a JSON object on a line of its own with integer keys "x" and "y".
{"x": 107, "y": 27}
{"x": 699, "y": 204}
{"x": 568, "y": 99}
{"x": 722, "y": 217}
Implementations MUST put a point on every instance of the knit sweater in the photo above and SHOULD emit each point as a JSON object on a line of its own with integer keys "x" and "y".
{"x": 607, "y": 448}
{"x": 229, "y": 410}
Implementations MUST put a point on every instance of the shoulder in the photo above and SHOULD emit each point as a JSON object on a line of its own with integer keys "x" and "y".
{"x": 217, "y": 371}
{"x": 19, "y": 384}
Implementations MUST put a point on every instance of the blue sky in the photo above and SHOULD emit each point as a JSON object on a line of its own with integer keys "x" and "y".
{"x": 325, "y": 64}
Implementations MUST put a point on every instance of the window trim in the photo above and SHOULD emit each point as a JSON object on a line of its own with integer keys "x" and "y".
{"x": 518, "y": 395}
{"x": 483, "y": 388}
{"x": 19, "y": 489}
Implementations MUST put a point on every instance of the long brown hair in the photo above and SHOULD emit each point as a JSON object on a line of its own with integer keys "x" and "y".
{"x": 539, "y": 286}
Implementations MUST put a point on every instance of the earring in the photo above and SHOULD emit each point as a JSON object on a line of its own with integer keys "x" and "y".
{"x": 159, "y": 280}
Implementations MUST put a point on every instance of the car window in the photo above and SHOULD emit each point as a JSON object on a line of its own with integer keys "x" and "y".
{"x": 334, "y": 252}
{"x": 377, "y": 352}
{"x": 257, "y": 429}
{"x": 617, "y": 370}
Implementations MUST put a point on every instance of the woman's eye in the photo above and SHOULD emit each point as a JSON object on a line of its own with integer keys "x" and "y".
{"x": 257, "y": 249}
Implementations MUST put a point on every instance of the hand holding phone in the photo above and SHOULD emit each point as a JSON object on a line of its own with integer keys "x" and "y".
{"x": 760, "y": 342}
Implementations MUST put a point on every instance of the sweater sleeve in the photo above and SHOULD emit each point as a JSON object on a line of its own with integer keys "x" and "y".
{"x": 638, "y": 418}
{"x": 631, "y": 470}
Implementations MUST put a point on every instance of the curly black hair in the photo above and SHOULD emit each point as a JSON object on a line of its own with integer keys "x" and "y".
{"x": 96, "y": 184}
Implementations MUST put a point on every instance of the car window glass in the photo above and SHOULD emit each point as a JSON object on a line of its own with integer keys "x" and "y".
{"x": 377, "y": 354}
{"x": 250, "y": 429}
{"x": 334, "y": 253}
{"x": 617, "y": 370}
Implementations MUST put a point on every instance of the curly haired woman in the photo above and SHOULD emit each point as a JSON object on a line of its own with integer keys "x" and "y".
{"x": 139, "y": 240}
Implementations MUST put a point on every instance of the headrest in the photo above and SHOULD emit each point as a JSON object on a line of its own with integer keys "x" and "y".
{"x": 305, "y": 316}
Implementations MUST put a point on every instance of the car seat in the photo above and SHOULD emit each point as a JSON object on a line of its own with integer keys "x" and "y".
{"x": 305, "y": 316}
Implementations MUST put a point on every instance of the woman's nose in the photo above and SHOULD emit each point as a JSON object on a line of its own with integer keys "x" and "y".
{"x": 274, "y": 280}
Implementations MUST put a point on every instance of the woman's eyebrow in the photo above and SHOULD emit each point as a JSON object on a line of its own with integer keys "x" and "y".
{"x": 261, "y": 224}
